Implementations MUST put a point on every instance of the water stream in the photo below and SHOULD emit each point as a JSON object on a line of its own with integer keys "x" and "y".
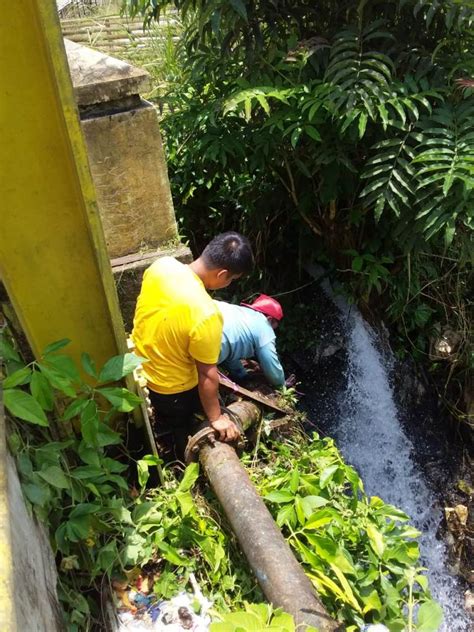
{"x": 370, "y": 436}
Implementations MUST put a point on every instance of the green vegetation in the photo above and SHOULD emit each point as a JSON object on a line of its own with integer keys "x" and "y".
{"x": 360, "y": 553}
{"x": 336, "y": 132}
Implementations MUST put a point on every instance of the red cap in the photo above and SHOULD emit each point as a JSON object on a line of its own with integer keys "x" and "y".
{"x": 266, "y": 305}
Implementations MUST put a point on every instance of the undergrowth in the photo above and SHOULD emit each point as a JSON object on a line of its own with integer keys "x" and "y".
{"x": 360, "y": 553}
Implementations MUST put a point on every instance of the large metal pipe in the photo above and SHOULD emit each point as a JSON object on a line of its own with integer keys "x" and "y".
{"x": 279, "y": 574}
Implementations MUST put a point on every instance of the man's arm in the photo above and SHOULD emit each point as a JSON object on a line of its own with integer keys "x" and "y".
{"x": 270, "y": 364}
{"x": 208, "y": 385}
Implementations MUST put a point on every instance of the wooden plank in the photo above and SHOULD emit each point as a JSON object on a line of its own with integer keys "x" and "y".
{"x": 255, "y": 396}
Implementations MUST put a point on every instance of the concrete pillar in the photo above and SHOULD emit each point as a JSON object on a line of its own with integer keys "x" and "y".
{"x": 128, "y": 167}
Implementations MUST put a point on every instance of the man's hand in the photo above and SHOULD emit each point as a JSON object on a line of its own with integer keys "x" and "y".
{"x": 226, "y": 428}
{"x": 252, "y": 366}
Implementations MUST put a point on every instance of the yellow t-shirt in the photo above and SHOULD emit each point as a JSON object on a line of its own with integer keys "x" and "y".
{"x": 176, "y": 322}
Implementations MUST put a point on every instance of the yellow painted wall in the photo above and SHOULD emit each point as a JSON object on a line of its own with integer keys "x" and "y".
{"x": 53, "y": 260}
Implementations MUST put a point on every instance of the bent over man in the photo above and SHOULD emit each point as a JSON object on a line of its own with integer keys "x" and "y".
{"x": 178, "y": 328}
{"x": 249, "y": 332}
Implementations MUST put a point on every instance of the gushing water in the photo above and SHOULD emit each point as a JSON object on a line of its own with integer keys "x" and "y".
{"x": 370, "y": 436}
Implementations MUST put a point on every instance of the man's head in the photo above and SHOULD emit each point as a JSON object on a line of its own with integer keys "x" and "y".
{"x": 268, "y": 306}
{"x": 227, "y": 257}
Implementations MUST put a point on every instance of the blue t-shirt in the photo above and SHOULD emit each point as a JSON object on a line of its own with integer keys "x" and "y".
{"x": 248, "y": 334}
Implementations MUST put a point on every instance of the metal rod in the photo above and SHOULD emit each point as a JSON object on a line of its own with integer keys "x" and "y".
{"x": 279, "y": 574}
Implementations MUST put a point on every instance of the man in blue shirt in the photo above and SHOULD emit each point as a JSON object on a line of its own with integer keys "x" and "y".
{"x": 249, "y": 333}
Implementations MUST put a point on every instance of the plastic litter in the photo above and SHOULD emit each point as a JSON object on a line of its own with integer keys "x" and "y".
{"x": 374, "y": 627}
{"x": 141, "y": 611}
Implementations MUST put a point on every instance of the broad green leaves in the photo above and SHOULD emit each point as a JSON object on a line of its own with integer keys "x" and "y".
{"x": 355, "y": 550}
{"x": 58, "y": 372}
{"x": 24, "y": 406}
{"x": 256, "y": 618}
{"x": 118, "y": 367}
{"x": 428, "y": 169}
{"x": 430, "y": 617}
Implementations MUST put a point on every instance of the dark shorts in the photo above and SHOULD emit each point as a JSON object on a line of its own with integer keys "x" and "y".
{"x": 176, "y": 414}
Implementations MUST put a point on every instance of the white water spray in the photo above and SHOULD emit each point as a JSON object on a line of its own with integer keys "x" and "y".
{"x": 370, "y": 437}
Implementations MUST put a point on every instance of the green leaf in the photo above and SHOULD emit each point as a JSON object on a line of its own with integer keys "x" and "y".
{"x": 143, "y": 474}
{"x": 171, "y": 554}
{"x": 430, "y": 617}
{"x": 64, "y": 366}
{"x": 371, "y": 602}
{"x": 119, "y": 366}
{"x": 376, "y": 539}
{"x": 55, "y": 477}
{"x": 74, "y": 408}
{"x": 321, "y": 518}
{"x": 325, "y": 548}
{"x": 287, "y": 516}
{"x": 239, "y": 7}
{"x": 88, "y": 455}
{"x": 327, "y": 474}
{"x": 57, "y": 380}
{"x": 295, "y": 135}
{"x": 357, "y": 263}
{"x": 88, "y": 365}
{"x": 22, "y": 376}
{"x": 362, "y": 123}
{"x": 42, "y": 391}
{"x": 312, "y": 132}
{"x": 190, "y": 476}
{"x": 120, "y": 398}
{"x": 247, "y": 621}
{"x": 263, "y": 102}
{"x": 55, "y": 346}
{"x": 279, "y": 497}
{"x": 24, "y": 406}
{"x": 186, "y": 503}
{"x": 106, "y": 436}
{"x": 7, "y": 352}
{"x": 90, "y": 423}
{"x": 310, "y": 503}
{"x": 294, "y": 481}
{"x": 36, "y": 494}
{"x": 107, "y": 556}
{"x": 78, "y": 528}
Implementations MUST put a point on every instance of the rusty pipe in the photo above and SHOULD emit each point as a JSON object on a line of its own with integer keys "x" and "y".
{"x": 279, "y": 574}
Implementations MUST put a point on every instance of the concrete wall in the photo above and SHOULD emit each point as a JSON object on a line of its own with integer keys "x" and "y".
{"x": 131, "y": 180}
{"x": 125, "y": 151}
{"x": 28, "y": 599}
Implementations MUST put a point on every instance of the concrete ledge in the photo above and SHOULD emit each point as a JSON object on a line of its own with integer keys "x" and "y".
{"x": 98, "y": 78}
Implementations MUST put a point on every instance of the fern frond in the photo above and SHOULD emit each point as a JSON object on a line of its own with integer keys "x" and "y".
{"x": 454, "y": 15}
{"x": 446, "y": 154}
{"x": 362, "y": 86}
{"x": 389, "y": 174}
{"x": 359, "y": 79}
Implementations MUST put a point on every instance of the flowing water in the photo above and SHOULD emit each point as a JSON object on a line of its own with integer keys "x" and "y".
{"x": 370, "y": 436}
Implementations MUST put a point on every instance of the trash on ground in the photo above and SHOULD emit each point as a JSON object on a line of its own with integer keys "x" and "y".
{"x": 139, "y": 609}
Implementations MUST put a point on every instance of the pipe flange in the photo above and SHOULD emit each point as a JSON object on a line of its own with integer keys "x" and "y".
{"x": 205, "y": 435}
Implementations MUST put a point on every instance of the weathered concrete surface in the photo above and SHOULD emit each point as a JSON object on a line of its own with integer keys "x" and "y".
{"x": 28, "y": 599}
{"x": 98, "y": 78}
{"x": 128, "y": 273}
{"x": 131, "y": 180}
{"x": 125, "y": 152}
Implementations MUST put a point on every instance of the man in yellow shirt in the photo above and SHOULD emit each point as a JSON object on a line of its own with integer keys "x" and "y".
{"x": 178, "y": 328}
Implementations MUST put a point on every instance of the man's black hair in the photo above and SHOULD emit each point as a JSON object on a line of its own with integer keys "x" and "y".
{"x": 229, "y": 251}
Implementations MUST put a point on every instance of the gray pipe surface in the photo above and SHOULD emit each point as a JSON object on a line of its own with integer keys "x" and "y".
{"x": 279, "y": 574}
